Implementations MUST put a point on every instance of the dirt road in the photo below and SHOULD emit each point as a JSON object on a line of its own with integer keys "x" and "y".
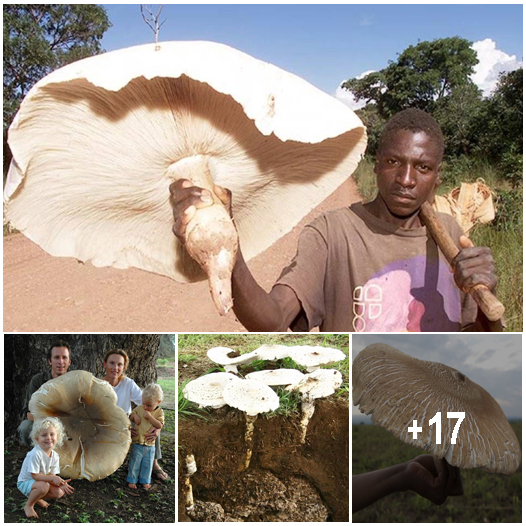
{"x": 47, "y": 294}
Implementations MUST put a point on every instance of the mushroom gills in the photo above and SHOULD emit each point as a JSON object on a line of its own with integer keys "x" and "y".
{"x": 211, "y": 238}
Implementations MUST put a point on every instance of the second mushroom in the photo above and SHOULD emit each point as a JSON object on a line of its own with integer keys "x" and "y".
{"x": 251, "y": 397}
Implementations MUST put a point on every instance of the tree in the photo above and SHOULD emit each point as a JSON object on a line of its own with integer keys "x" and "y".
{"x": 26, "y": 355}
{"x": 39, "y": 38}
{"x": 152, "y": 20}
{"x": 458, "y": 116}
{"x": 422, "y": 76}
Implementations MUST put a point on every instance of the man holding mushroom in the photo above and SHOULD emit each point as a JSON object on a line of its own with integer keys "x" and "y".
{"x": 368, "y": 267}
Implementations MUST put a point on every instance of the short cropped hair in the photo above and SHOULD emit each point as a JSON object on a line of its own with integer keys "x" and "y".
{"x": 414, "y": 120}
{"x": 152, "y": 393}
{"x": 58, "y": 343}
{"x": 44, "y": 423}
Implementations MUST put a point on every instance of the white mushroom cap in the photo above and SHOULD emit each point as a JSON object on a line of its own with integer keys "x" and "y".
{"x": 221, "y": 356}
{"x": 395, "y": 389}
{"x": 207, "y": 391}
{"x": 277, "y": 376}
{"x": 251, "y": 397}
{"x": 312, "y": 357}
{"x": 272, "y": 352}
{"x": 98, "y": 430}
{"x": 318, "y": 384}
{"x": 93, "y": 143}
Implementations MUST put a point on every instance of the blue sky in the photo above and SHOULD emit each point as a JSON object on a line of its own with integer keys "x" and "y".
{"x": 494, "y": 361}
{"x": 326, "y": 44}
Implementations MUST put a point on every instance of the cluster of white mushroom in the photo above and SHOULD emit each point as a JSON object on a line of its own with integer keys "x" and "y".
{"x": 253, "y": 394}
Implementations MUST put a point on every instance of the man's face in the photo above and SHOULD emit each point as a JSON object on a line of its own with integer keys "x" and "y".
{"x": 60, "y": 361}
{"x": 408, "y": 171}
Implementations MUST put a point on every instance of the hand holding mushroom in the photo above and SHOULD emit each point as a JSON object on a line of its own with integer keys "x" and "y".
{"x": 431, "y": 479}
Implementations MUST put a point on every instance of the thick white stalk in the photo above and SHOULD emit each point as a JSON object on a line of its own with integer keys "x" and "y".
{"x": 249, "y": 437}
{"x": 191, "y": 468}
{"x": 307, "y": 410}
{"x": 211, "y": 237}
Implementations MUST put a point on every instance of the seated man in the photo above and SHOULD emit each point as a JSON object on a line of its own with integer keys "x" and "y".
{"x": 60, "y": 360}
{"x": 368, "y": 267}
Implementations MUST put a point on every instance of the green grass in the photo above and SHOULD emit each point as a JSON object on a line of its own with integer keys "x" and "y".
{"x": 488, "y": 497}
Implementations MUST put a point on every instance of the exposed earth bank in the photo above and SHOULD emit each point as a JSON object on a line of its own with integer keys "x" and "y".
{"x": 286, "y": 481}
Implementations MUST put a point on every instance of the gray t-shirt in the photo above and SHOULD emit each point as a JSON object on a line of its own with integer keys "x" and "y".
{"x": 354, "y": 272}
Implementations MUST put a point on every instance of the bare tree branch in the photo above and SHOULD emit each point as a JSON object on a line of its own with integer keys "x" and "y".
{"x": 151, "y": 20}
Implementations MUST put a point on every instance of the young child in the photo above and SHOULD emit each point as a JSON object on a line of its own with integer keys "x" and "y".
{"x": 142, "y": 453}
{"x": 38, "y": 479}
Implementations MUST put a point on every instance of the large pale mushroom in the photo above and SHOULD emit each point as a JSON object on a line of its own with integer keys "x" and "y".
{"x": 312, "y": 357}
{"x": 229, "y": 359}
{"x": 98, "y": 430}
{"x": 396, "y": 389}
{"x": 97, "y": 143}
{"x": 251, "y": 397}
{"x": 277, "y": 377}
{"x": 207, "y": 390}
{"x": 318, "y": 384}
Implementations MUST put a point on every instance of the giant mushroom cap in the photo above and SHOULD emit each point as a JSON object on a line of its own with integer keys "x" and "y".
{"x": 396, "y": 389}
{"x": 277, "y": 376}
{"x": 98, "y": 430}
{"x": 312, "y": 357}
{"x": 207, "y": 390}
{"x": 273, "y": 352}
{"x": 318, "y": 384}
{"x": 229, "y": 358}
{"x": 251, "y": 397}
{"x": 97, "y": 143}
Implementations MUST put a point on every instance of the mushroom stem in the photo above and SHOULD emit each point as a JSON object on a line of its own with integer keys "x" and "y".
{"x": 191, "y": 468}
{"x": 307, "y": 410}
{"x": 249, "y": 433}
{"x": 211, "y": 237}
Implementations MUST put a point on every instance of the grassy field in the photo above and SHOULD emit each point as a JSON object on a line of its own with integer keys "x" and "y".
{"x": 488, "y": 497}
{"x": 505, "y": 241}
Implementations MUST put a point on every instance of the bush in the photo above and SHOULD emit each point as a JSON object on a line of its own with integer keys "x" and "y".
{"x": 508, "y": 205}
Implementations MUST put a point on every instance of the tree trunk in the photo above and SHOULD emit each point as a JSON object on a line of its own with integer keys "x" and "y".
{"x": 26, "y": 355}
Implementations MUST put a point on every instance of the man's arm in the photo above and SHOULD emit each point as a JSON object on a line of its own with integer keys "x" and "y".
{"x": 256, "y": 309}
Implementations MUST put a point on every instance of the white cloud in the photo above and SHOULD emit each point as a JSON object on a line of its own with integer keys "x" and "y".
{"x": 492, "y": 61}
{"x": 347, "y": 97}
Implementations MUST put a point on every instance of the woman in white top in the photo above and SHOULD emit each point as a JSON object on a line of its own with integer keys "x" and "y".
{"x": 116, "y": 362}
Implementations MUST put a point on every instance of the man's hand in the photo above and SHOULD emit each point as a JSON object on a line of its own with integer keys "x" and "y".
{"x": 433, "y": 479}
{"x": 187, "y": 198}
{"x": 474, "y": 266}
{"x": 152, "y": 434}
